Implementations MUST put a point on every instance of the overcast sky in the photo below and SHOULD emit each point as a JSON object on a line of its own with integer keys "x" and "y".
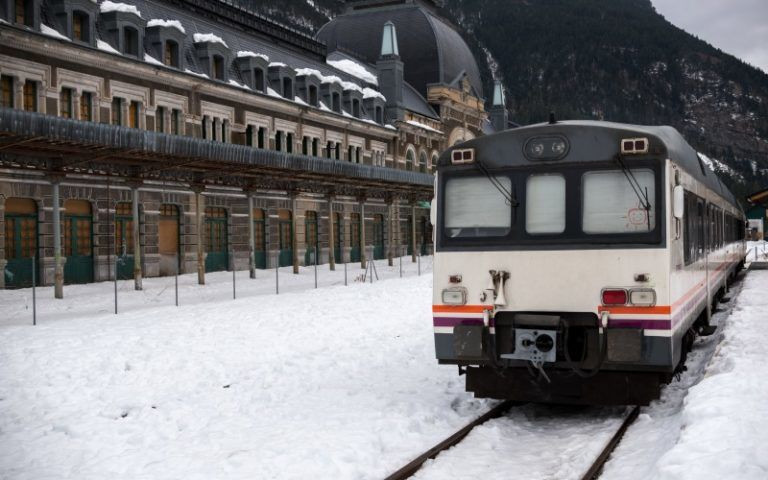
{"x": 738, "y": 27}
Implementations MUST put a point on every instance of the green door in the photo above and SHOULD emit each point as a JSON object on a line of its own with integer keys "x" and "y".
{"x": 124, "y": 240}
{"x": 20, "y": 247}
{"x": 338, "y": 231}
{"x": 310, "y": 231}
{"x": 378, "y": 237}
{"x": 217, "y": 258}
{"x": 354, "y": 238}
{"x": 78, "y": 235}
{"x": 259, "y": 239}
{"x": 285, "y": 233}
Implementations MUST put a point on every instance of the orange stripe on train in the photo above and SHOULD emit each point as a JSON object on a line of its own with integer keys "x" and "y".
{"x": 460, "y": 308}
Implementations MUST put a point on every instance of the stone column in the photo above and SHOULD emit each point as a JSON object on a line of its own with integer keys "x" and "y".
{"x": 18, "y": 93}
{"x": 251, "y": 238}
{"x": 137, "y": 280}
{"x": 199, "y": 206}
{"x": 390, "y": 232}
{"x": 362, "y": 233}
{"x": 413, "y": 232}
{"x": 331, "y": 235}
{"x": 58, "y": 275}
{"x": 294, "y": 244}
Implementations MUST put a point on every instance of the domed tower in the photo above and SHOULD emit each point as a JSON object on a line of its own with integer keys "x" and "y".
{"x": 425, "y": 69}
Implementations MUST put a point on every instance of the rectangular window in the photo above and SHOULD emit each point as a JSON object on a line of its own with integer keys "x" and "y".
{"x": 171, "y": 54}
{"x": 79, "y": 27}
{"x": 21, "y": 12}
{"x": 86, "y": 106}
{"x": 117, "y": 111}
{"x": 30, "y": 96}
{"x": 160, "y": 119}
{"x": 611, "y": 204}
{"x": 65, "y": 102}
{"x": 133, "y": 114}
{"x": 475, "y": 208}
{"x": 176, "y": 121}
{"x": 6, "y": 89}
{"x": 545, "y": 204}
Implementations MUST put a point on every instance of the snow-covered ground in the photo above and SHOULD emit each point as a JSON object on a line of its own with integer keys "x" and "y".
{"x": 336, "y": 382}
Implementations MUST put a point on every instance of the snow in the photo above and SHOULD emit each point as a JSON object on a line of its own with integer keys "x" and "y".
{"x": 351, "y": 86}
{"x": 421, "y": 125}
{"x": 235, "y": 83}
{"x": 371, "y": 93}
{"x": 109, "y": 6}
{"x": 102, "y": 45}
{"x": 46, "y": 30}
{"x": 277, "y": 64}
{"x": 300, "y": 101}
{"x": 186, "y": 70}
{"x": 332, "y": 79}
{"x": 307, "y": 72}
{"x": 391, "y": 127}
{"x": 158, "y": 22}
{"x": 272, "y": 93}
{"x": 150, "y": 59}
{"x": 355, "y": 69}
{"x": 324, "y": 107}
{"x": 248, "y": 53}
{"x": 338, "y": 382}
{"x": 208, "y": 37}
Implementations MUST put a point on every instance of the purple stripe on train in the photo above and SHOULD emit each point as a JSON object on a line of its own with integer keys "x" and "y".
{"x": 613, "y": 322}
{"x": 453, "y": 321}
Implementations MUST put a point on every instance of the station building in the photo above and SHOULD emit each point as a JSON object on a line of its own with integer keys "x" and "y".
{"x": 146, "y": 137}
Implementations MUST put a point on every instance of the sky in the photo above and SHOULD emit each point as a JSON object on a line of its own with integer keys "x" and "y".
{"x": 738, "y": 27}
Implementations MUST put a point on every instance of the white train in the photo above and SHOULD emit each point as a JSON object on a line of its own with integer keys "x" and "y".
{"x": 575, "y": 262}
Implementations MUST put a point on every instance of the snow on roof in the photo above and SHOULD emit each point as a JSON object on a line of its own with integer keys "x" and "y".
{"x": 277, "y": 64}
{"x": 300, "y": 101}
{"x": 102, "y": 45}
{"x": 421, "y": 125}
{"x": 234, "y": 83}
{"x": 351, "y": 86}
{"x": 248, "y": 53}
{"x": 158, "y": 22}
{"x": 324, "y": 107}
{"x": 272, "y": 93}
{"x": 208, "y": 37}
{"x": 119, "y": 7}
{"x": 150, "y": 59}
{"x": 186, "y": 70}
{"x": 46, "y": 30}
{"x": 332, "y": 79}
{"x": 391, "y": 127}
{"x": 355, "y": 69}
{"x": 371, "y": 93}
{"x": 306, "y": 72}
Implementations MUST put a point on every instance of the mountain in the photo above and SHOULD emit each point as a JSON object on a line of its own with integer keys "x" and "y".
{"x": 616, "y": 60}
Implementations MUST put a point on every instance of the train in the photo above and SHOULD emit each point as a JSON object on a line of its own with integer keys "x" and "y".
{"x": 577, "y": 261}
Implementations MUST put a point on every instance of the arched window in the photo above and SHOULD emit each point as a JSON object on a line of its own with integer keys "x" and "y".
{"x": 171, "y": 54}
{"x": 130, "y": 41}
{"x": 262, "y": 137}
{"x": 338, "y": 151}
{"x": 218, "y": 67}
{"x": 81, "y": 27}
{"x": 249, "y": 135}
{"x": 329, "y": 149}
{"x": 409, "y": 159}
{"x": 423, "y": 162}
{"x": 314, "y": 147}
{"x": 434, "y": 162}
{"x": 305, "y": 145}
{"x": 278, "y": 140}
{"x": 289, "y": 143}
{"x": 351, "y": 154}
{"x": 357, "y": 155}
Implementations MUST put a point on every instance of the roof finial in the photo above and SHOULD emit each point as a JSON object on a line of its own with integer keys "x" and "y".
{"x": 389, "y": 40}
{"x": 498, "y": 94}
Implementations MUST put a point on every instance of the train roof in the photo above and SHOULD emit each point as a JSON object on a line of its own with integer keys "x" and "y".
{"x": 592, "y": 141}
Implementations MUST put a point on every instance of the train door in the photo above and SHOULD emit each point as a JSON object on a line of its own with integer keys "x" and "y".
{"x": 338, "y": 231}
{"x": 168, "y": 239}
{"x": 354, "y": 237}
{"x": 310, "y": 237}
{"x": 78, "y": 241}
{"x": 285, "y": 234}
{"x": 259, "y": 238}
{"x": 378, "y": 237}
{"x": 20, "y": 241}
{"x": 124, "y": 240}
{"x": 216, "y": 240}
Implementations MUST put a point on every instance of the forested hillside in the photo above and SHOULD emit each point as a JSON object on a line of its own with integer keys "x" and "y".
{"x": 605, "y": 59}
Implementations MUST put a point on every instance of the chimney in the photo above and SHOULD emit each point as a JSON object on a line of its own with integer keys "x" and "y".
{"x": 498, "y": 113}
{"x": 391, "y": 73}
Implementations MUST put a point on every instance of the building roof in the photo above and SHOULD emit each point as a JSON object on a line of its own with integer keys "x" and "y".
{"x": 431, "y": 49}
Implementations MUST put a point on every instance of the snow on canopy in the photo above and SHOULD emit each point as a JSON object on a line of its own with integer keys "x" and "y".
{"x": 109, "y": 6}
{"x": 45, "y": 29}
{"x": 208, "y": 37}
{"x": 159, "y": 22}
{"x": 355, "y": 69}
{"x": 248, "y": 53}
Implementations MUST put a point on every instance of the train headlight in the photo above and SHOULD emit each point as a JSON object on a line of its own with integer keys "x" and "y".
{"x": 546, "y": 148}
{"x": 455, "y": 296}
{"x": 634, "y": 146}
{"x": 462, "y": 156}
{"x": 642, "y": 297}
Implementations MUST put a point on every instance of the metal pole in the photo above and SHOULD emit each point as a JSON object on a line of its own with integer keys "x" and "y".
{"x": 345, "y": 273}
{"x": 176, "y": 280}
{"x": 116, "y": 257}
{"x": 401, "y": 262}
{"x": 234, "y": 277}
{"x": 277, "y": 275}
{"x": 34, "y": 294}
{"x": 419, "y": 257}
{"x": 315, "y": 254}
{"x": 58, "y": 275}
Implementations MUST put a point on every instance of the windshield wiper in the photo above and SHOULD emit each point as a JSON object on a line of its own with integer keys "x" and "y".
{"x": 508, "y": 196}
{"x": 638, "y": 189}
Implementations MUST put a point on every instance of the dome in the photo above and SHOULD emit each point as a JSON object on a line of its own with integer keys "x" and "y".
{"x": 431, "y": 49}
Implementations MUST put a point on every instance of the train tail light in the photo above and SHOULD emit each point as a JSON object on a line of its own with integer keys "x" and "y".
{"x": 462, "y": 156}
{"x": 634, "y": 146}
{"x": 614, "y": 296}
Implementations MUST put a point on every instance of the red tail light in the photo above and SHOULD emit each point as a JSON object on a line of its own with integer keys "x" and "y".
{"x": 614, "y": 296}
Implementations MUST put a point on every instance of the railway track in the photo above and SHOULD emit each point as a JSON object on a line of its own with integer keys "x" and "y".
{"x": 591, "y": 473}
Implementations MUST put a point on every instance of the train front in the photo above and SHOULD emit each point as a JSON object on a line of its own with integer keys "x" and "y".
{"x": 551, "y": 272}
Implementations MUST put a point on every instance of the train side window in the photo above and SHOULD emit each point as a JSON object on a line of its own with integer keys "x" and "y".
{"x": 545, "y": 204}
{"x": 689, "y": 229}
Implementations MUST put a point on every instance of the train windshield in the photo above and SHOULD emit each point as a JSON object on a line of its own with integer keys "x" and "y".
{"x": 615, "y": 202}
{"x": 474, "y": 207}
